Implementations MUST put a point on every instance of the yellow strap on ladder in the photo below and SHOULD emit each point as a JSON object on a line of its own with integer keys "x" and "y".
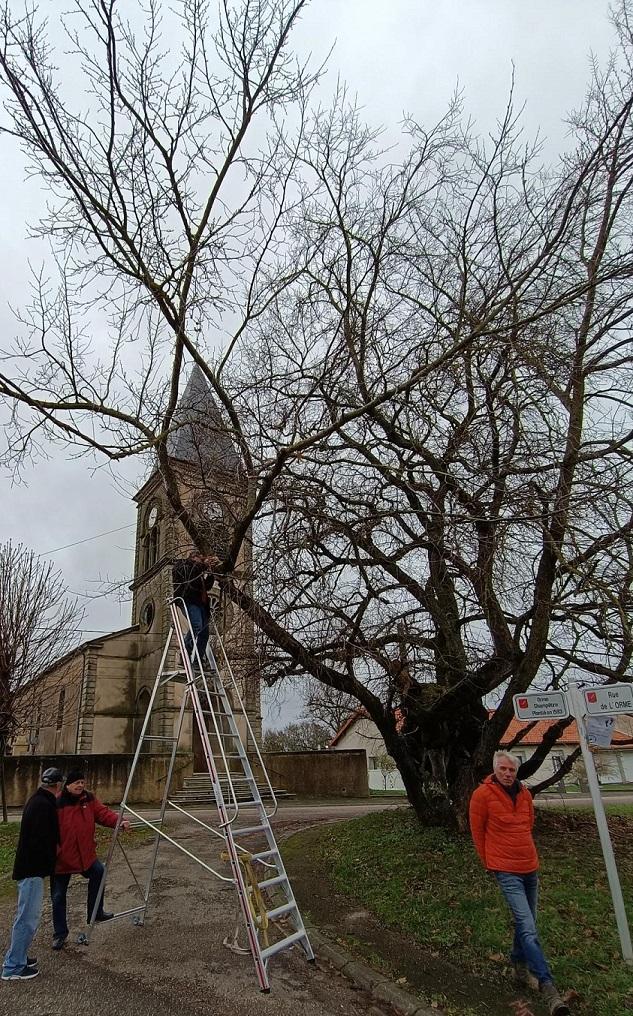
{"x": 255, "y": 896}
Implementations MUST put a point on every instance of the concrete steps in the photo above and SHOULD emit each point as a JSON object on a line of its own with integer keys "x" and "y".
{"x": 197, "y": 789}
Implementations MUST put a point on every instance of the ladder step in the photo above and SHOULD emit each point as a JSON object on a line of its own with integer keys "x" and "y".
{"x": 269, "y": 883}
{"x": 265, "y": 853}
{"x": 280, "y": 911}
{"x": 159, "y": 737}
{"x": 247, "y": 830}
{"x": 284, "y": 943}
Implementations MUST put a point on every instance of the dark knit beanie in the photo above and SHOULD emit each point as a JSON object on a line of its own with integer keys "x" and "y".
{"x": 74, "y": 775}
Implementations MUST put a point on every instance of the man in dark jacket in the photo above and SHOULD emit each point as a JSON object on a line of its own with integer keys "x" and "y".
{"x": 78, "y": 811}
{"x": 34, "y": 860}
{"x": 192, "y": 580}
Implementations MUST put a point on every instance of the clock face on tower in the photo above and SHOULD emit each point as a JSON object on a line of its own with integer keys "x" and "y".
{"x": 152, "y": 518}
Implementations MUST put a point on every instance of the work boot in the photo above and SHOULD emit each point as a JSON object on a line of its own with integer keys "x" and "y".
{"x": 523, "y": 977}
{"x": 555, "y": 1004}
{"x": 59, "y": 941}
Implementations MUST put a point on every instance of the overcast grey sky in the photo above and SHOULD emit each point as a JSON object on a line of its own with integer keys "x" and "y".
{"x": 400, "y": 56}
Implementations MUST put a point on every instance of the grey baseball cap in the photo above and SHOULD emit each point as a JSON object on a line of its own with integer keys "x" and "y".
{"x": 52, "y": 776}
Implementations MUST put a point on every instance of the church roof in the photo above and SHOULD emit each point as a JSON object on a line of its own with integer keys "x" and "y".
{"x": 201, "y": 436}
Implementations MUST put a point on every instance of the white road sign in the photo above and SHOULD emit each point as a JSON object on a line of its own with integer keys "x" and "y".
{"x": 542, "y": 705}
{"x": 609, "y": 698}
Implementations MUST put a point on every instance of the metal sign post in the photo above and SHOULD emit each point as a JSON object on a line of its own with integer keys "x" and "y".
{"x": 577, "y": 701}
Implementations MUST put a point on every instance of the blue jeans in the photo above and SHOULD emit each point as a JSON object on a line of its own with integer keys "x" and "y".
{"x": 59, "y": 888}
{"x": 27, "y": 919}
{"x": 521, "y": 894}
{"x": 199, "y": 620}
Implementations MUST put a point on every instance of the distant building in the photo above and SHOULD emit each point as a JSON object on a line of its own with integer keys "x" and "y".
{"x": 615, "y": 765}
{"x": 359, "y": 731}
{"x": 95, "y": 699}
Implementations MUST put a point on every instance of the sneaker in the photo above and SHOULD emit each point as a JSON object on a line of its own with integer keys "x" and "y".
{"x": 25, "y": 974}
{"x": 523, "y": 977}
{"x": 103, "y": 917}
{"x": 59, "y": 941}
{"x": 31, "y": 961}
{"x": 555, "y": 1004}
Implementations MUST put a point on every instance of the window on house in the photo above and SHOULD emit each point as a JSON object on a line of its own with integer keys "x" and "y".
{"x": 60, "y": 708}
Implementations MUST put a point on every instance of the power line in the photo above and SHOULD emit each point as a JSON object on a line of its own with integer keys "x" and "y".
{"x": 88, "y": 539}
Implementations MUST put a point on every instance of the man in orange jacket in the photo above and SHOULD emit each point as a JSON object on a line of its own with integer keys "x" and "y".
{"x": 501, "y": 821}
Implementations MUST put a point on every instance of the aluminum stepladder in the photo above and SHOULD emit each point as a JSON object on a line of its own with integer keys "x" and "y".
{"x": 214, "y": 703}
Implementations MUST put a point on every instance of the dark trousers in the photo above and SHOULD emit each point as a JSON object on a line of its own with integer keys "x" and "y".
{"x": 199, "y": 620}
{"x": 59, "y": 888}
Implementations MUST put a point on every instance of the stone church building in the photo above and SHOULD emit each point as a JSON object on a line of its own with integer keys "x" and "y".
{"x": 94, "y": 700}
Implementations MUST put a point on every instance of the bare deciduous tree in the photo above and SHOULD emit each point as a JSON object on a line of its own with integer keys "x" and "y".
{"x": 305, "y": 735}
{"x": 327, "y": 706}
{"x": 39, "y": 624}
{"x": 427, "y": 377}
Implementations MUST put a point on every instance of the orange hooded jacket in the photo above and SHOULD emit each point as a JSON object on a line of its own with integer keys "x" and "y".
{"x": 502, "y": 829}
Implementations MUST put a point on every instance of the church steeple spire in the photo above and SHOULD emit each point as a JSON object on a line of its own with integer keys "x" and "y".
{"x": 201, "y": 437}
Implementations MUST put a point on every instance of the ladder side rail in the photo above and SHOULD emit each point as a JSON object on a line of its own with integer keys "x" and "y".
{"x": 220, "y": 735}
{"x": 128, "y": 785}
{"x": 216, "y": 832}
{"x": 189, "y": 670}
{"x": 225, "y": 822}
{"x": 236, "y": 870}
{"x": 199, "y": 714}
{"x": 249, "y": 777}
{"x": 249, "y": 921}
{"x": 249, "y": 728}
{"x": 163, "y": 806}
{"x": 178, "y": 846}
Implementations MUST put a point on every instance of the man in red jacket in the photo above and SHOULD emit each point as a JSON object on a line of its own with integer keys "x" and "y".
{"x": 501, "y": 821}
{"x": 77, "y": 812}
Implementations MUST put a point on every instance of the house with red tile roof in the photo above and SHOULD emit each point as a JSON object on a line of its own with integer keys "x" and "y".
{"x": 615, "y": 763}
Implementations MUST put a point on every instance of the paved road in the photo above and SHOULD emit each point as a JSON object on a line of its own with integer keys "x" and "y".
{"x": 176, "y": 964}
{"x": 569, "y": 800}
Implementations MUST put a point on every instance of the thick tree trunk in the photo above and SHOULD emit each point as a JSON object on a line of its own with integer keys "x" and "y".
{"x": 439, "y": 766}
{"x": 3, "y": 786}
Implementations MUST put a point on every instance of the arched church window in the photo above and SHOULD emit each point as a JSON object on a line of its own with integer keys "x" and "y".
{"x": 151, "y": 537}
{"x": 60, "y": 708}
{"x": 142, "y": 705}
{"x": 147, "y": 615}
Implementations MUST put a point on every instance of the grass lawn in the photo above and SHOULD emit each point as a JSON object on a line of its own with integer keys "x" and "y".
{"x": 10, "y": 831}
{"x": 430, "y": 885}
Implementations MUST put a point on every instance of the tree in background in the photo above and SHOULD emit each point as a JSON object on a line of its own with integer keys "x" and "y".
{"x": 327, "y": 706}
{"x": 305, "y": 735}
{"x": 427, "y": 377}
{"x": 39, "y": 623}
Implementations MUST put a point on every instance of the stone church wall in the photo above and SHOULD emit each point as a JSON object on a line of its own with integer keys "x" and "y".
{"x": 48, "y": 710}
{"x": 106, "y": 775}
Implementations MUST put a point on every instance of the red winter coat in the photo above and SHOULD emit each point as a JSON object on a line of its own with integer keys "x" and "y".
{"x": 77, "y": 817}
{"x": 502, "y": 829}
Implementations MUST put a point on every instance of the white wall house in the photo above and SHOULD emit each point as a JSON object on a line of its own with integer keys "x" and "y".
{"x": 359, "y": 731}
{"x": 614, "y": 765}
